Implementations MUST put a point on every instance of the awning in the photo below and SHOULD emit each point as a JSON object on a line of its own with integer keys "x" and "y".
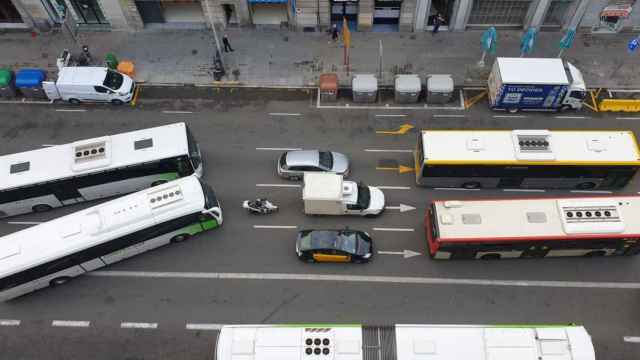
{"x": 620, "y": 10}
{"x": 268, "y": 1}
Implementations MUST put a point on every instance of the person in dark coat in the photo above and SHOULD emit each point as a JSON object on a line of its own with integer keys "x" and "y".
{"x": 334, "y": 33}
{"x": 225, "y": 42}
{"x": 437, "y": 21}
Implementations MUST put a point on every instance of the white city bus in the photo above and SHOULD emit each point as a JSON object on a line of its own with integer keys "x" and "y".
{"x": 534, "y": 159}
{"x": 533, "y": 228}
{"x": 53, "y": 252}
{"x": 404, "y": 342}
{"x": 41, "y": 179}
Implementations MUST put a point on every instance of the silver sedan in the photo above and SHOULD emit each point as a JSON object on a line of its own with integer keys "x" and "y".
{"x": 293, "y": 164}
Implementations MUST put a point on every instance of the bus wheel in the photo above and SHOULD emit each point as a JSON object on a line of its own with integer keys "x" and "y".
{"x": 59, "y": 281}
{"x": 41, "y": 208}
{"x": 595, "y": 253}
{"x": 471, "y": 185}
{"x": 158, "y": 182}
{"x": 180, "y": 238}
{"x": 586, "y": 185}
{"x": 490, "y": 257}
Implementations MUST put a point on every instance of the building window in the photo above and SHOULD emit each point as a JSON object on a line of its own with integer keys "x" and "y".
{"x": 88, "y": 12}
{"x": 499, "y": 12}
{"x": 557, "y": 12}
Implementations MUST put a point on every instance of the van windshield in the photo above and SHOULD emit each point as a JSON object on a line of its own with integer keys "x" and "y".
{"x": 113, "y": 80}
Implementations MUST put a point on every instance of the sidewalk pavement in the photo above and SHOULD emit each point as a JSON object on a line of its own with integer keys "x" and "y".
{"x": 295, "y": 59}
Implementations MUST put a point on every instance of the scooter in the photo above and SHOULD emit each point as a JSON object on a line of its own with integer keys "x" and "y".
{"x": 259, "y": 206}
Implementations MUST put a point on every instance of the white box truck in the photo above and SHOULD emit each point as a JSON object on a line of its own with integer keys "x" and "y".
{"x": 329, "y": 194}
{"x": 78, "y": 84}
{"x": 535, "y": 84}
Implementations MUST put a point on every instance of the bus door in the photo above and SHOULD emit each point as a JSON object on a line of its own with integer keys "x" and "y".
{"x": 67, "y": 193}
{"x": 535, "y": 251}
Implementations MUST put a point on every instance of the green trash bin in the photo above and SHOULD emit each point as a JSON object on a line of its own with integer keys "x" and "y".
{"x": 7, "y": 85}
{"x": 111, "y": 61}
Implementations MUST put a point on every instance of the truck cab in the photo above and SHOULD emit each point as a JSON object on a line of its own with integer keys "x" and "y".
{"x": 577, "y": 90}
{"x": 361, "y": 199}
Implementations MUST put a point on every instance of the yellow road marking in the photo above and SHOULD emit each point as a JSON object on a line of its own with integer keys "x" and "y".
{"x": 404, "y": 128}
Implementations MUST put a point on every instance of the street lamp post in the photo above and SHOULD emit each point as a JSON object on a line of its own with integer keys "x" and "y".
{"x": 218, "y": 62}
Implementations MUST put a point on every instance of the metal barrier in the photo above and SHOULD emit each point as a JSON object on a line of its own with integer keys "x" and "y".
{"x": 625, "y": 105}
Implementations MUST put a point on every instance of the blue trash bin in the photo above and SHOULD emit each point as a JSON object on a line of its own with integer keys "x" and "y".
{"x": 29, "y": 82}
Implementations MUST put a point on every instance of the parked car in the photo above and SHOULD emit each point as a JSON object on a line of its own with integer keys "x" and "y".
{"x": 293, "y": 164}
{"x": 334, "y": 246}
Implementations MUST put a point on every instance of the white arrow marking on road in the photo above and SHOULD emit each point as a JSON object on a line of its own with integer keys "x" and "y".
{"x": 66, "y": 323}
{"x": 134, "y": 325}
{"x": 402, "y": 208}
{"x": 382, "y": 187}
{"x": 204, "y": 326}
{"x": 275, "y": 227}
{"x": 405, "y": 253}
{"x": 392, "y": 229}
{"x": 632, "y": 339}
{"x": 9, "y": 322}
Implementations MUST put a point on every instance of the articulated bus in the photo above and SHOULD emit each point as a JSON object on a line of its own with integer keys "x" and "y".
{"x": 41, "y": 179}
{"x": 528, "y": 159}
{"x": 404, "y": 342}
{"x": 533, "y": 228}
{"x": 53, "y": 252}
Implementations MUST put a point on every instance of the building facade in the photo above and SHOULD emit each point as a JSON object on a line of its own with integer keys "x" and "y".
{"x": 598, "y": 16}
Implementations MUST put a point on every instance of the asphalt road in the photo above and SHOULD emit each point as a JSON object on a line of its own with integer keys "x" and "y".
{"x": 243, "y": 274}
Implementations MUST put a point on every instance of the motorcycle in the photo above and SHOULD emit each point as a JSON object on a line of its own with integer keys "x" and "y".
{"x": 259, "y": 206}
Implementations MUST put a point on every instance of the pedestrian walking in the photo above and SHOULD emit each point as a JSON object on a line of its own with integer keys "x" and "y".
{"x": 334, "y": 33}
{"x": 437, "y": 21}
{"x": 225, "y": 42}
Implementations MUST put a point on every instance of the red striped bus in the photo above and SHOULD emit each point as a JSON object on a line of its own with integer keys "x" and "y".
{"x": 533, "y": 228}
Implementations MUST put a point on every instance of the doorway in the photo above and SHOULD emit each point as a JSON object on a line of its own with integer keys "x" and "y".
{"x": 88, "y": 12}
{"x": 344, "y": 9}
{"x": 386, "y": 16}
{"x": 230, "y": 15}
{"x": 445, "y": 9}
{"x": 9, "y": 13}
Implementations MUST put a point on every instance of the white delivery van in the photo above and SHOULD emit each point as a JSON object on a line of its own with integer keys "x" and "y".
{"x": 329, "y": 194}
{"x": 78, "y": 84}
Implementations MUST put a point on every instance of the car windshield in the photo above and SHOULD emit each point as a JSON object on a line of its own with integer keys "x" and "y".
{"x": 348, "y": 242}
{"x": 113, "y": 80}
{"x": 326, "y": 159}
{"x": 364, "y": 196}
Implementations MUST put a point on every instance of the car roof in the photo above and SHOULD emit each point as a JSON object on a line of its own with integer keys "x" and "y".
{"x": 303, "y": 157}
{"x": 325, "y": 238}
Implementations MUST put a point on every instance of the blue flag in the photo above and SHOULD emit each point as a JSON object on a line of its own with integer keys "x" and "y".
{"x": 489, "y": 40}
{"x": 567, "y": 40}
{"x": 633, "y": 45}
{"x": 528, "y": 41}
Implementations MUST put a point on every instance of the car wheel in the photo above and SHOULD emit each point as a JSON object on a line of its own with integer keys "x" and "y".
{"x": 471, "y": 185}
{"x": 117, "y": 102}
{"x": 59, "y": 281}
{"x": 513, "y": 110}
{"x": 310, "y": 259}
{"x": 490, "y": 257}
{"x": 74, "y": 101}
{"x": 41, "y": 208}
{"x": 586, "y": 186}
{"x": 179, "y": 238}
{"x": 369, "y": 216}
{"x": 596, "y": 253}
{"x": 295, "y": 177}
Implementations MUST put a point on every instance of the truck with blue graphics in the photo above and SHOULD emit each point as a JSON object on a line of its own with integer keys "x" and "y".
{"x": 547, "y": 84}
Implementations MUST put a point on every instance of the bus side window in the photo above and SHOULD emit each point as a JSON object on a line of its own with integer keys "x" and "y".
{"x": 184, "y": 167}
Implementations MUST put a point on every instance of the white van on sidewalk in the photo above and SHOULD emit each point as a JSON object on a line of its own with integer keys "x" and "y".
{"x": 78, "y": 84}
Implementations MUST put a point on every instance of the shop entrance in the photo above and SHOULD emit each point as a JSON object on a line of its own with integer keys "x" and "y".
{"x": 88, "y": 12}
{"x": 171, "y": 13}
{"x": 386, "y": 16}
{"x": 505, "y": 13}
{"x": 9, "y": 13}
{"x": 344, "y": 9}
{"x": 230, "y": 15}
{"x": 269, "y": 13}
{"x": 445, "y": 9}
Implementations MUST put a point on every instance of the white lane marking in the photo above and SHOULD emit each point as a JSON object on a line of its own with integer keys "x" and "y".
{"x": 456, "y": 189}
{"x": 7, "y": 322}
{"x": 137, "y": 325}
{"x": 509, "y": 116}
{"x": 368, "y": 279}
{"x": 591, "y": 191}
{"x": 280, "y": 185}
{"x": 285, "y": 114}
{"x": 401, "y": 207}
{"x": 389, "y": 150}
{"x": 572, "y": 117}
{"x": 448, "y": 115}
{"x": 632, "y": 339}
{"x": 71, "y": 110}
{"x": 277, "y": 149}
{"x": 382, "y": 187}
{"x": 628, "y": 118}
{"x": 393, "y": 229}
{"x": 204, "y": 326}
{"x": 24, "y": 222}
{"x": 524, "y": 190}
{"x": 275, "y": 227}
{"x": 176, "y": 112}
{"x": 390, "y": 115}
{"x": 48, "y": 145}
{"x": 66, "y": 323}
